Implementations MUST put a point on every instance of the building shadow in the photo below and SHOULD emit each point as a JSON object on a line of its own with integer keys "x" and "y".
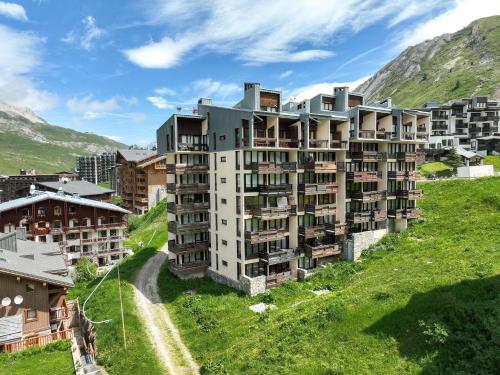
{"x": 449, "y": 330}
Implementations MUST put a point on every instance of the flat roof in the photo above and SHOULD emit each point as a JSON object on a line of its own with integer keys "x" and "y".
{"x": 82, "y": 188}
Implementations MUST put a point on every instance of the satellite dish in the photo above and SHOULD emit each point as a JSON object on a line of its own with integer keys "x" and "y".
{"x": 18, "y": 299}
{"x": 5, "y": 301}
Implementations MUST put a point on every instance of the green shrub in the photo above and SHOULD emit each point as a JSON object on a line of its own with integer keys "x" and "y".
{"x": 213, "y": 368}
{"x": 86, "y": 270}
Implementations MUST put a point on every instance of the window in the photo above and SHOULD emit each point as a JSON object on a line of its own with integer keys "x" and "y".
{"x": 57, "y": 211}
{"x": 224, "y": 242}
{"x": 215, "y": 140}
{"x": 222, "y": 137}
{"x": 224, "y": 263}
{"x": 222, "y": 159}
{"x": 30, "y": 287}
{"x": 223, "y": 201}
{"x": 238, "y": 249}
{"x": 223, "y": 180}
{"x": 224, "y": 222}
{"x": 72, "y": 209}
{"x": 30, "y": 314}
{"x": 41, "y": 211}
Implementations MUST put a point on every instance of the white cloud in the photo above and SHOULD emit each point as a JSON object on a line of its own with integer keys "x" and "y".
{"x": 160, "y": 102}
{"x": 165, "y": 91}
{"x": 462, "y": 13}
{"x": 285, "y": 74}
{"x": 308, "y": 92}
{"x": 20, "y": 57}
{"x": 93, "y": 108}
{"x": 259, "y": 31}
{"x": 86, "y": 37}
{"x": 13, "y": 10}
{"x": 208, "y": 88}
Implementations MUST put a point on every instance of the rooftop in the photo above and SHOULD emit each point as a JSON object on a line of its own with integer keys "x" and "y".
{"x": 82, "y": 188}
{"x": 135, "y": 154}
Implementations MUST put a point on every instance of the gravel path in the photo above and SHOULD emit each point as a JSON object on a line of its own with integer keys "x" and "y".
{"x": 162, "y": 332}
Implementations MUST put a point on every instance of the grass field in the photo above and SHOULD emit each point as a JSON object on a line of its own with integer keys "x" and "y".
{"x": 53, "y": 359}
{"x": 421, "y": 302}
{"x": 436, "y": 167}
{"x": 493, "y": 160}
{"x": 139, "y": 357}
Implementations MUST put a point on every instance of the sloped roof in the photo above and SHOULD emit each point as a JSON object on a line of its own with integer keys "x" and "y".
{"x": 11, "y": 328}
{"x": 82, "y": 188}
{"x": 40, "y": 196}
{"x": 151, "y": 161}
{"x": 136, "y": 155}
{"x": 467, "y": 154}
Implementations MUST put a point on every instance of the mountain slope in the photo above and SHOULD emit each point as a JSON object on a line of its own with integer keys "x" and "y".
{"x": 450, "y": 66}
{"x": 27, "y": 141}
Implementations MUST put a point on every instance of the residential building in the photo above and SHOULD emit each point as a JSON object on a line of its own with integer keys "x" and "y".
{"x": 34, "y": 282}
{"x": 18, "y": 186}
{"x": 95, "y": 168}
{"x": 261, "y": 192}
{"x": 82, "y": 189}
{"x": 460, "y": 123}
{"x": 79, "y": 226}
{"x": 142, "y": 178}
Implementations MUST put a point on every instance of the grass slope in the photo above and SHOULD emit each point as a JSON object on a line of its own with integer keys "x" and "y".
{"x": 436, "y": 167}
{"x": 139, "y": 357}
{"x": 426, "y": 301}
{"x": 493, "y": 160}
{"x": 19, "y": 151}
{"x": 53, "y": 359}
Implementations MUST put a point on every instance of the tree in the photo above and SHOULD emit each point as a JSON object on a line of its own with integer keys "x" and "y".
{"x": 86, "y": 270}
{"x": 454, "y": 159}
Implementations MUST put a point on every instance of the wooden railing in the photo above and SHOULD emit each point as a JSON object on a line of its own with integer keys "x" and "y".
{"x": 187, "y": 268}
{"x": 259, "y": 236}
{"x": 270, "y": 213}
{"x": 278, "y": 278}
{"x": 403, "y": 175}
{"x": 178, "y": 228}
{"x": 272, "y": 167}
{"x": 182, "y": 208}
{"x": 187, "y": 247}
{"x": 42, "y": 340}
{"x": 319, "y": 188}
{"x": 173, "y": 188}
{"x": 321, "y": 209}
{"x": 313, "y": 231}
{"x": 322, "y": 250}
{"x": 56, "y": 315}
{"x": 367, "y": 156}
{"x": 408, "y": 157}
{"x": 363, "y": 176}
{"x": 368, "y": 196}
{"x": 404, "y": 213}
{"x": 318, "y": 143}
{"x": 409, "y": 194}
{"x": 280, "y": 256}
{"x": 181, "y": 168}
{"x": 319, "y": 166}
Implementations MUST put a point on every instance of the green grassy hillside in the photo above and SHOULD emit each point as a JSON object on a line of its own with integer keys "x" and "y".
{"x": 421, "y": 302}
{"x": 467, "y": 64}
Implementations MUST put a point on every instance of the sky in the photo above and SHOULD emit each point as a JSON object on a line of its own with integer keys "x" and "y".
{"x": 121, "y": 68}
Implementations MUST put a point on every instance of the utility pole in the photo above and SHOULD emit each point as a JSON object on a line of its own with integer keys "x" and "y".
{"x": 121, "y": 307}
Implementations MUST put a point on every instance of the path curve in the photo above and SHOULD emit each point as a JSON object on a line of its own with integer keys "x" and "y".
{"x": 162, "y": 332}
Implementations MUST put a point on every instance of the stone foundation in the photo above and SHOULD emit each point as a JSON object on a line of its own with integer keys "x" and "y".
{"x": 361, "y": 241}
{"x": 253, "y": 285}
{"x": 221, "y": 279}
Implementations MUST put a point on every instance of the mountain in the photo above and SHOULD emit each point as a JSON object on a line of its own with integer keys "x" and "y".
{"x": 28, "y": 141}
{"x": 450, "y": 66}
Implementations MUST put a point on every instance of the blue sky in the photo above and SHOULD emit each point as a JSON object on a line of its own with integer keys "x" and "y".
{"x": 120, "y": 68}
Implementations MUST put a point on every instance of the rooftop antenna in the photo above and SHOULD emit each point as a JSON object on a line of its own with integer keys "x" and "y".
{"x": 32, "y": 189}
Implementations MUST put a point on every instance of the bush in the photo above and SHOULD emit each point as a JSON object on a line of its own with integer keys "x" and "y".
{"x": 267, "y": 298}
{"x": 86, "y": 270}
{"x": 213, "y": 368}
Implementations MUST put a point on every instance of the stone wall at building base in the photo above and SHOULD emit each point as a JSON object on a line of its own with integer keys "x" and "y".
{"x": 253, "y": 285}
{"x": 303, "y": 274}
{"x": 361, "y": 241}
{"x": 221, "y": 279}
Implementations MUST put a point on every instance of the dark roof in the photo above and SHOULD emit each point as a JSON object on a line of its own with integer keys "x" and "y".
{"x": 82, "y": 188}
{"x": 136, "y": 155}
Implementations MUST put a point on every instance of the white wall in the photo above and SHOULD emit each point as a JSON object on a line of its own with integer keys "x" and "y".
{"x": 475, "y": 171}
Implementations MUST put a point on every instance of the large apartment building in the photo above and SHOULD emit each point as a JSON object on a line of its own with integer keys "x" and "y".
{"x": 18, "y": 186}
{"x": 79, "y": 226}
{"x": 264, "y": 192}
{"x": 140, "y": 179}
{"x": 461, "y": 123}
{"x": 96, "y": 168}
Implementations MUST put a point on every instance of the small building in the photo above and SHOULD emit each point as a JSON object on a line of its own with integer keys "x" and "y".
{"x": 489, "y": 145}
{"x": 67, "y": 175}
{"x": 142, "y": 179}
{"x": 82, "y": 189}
{"x": 78, "y": 226}
{"x": 34, "y": 282}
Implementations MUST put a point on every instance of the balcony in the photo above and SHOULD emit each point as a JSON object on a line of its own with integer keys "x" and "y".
{"x": 367, "y": 156}
{"x": 338, "y": 145}
{"x": 185, "y": 208}
{"x": 271, "y": 213}
{"x": 181, "y": 168}
{"x": 404, "y": 213}
{"x": 271, "y": 167}
{"x": 183, "y": 146}
{"x": 42, "y": 340}
{"x": 366, "y": 134}
{"x": 319, "y": 166}
{"x": 322, "y": 250}
{"x": 409, "y": 194}
{"x": 288, "y": 143}
{"x": 278, "y": 189}
{"x": 368, "y": 176}
{"x": 319, "y": 188}
{"x": 259, "y": 236}
{"x": 119, "y": 250}
{"x": 408, "y": 136}
{"x": 318, "y": 143}
{"x": 408, "y": 157}
{"x": 337, "y": 228}
{"x": 368, "y": 196}
{"x": 312, "y": 232}
{"x": 174, "y": 227}
{"x": 278, "y": 278}
{"x": 264, "y": 142}
{"x": 280, "y": 256}
{"x": 187, "y": 269}
{"x": 403, "y": 175}
{"x": 321, "y": 209}
{"x": 187, "y": 247}
{"x": 173, "y": 188}
{"x": 58, "y": 314}
{"x": 366, "y": 216}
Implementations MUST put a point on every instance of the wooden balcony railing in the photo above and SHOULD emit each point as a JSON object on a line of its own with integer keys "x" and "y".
{"x": 368, "y": 196}
{"x": 366, "y": 134}
{"x": 184, "y": 208}
{"x": 322, "y": 250}
{"x": 183, "y": 146}
{"x": 280, "y": 256}
{"x": 174, "y": 227}
{"x": 187, "y": 247}
{"x": 181, "y": 168}
{"x": 321, "y": 209}
{"x": 409, "y": 157}
{"x": 403, "y": 175}
{"x": 337, "y": 228}
{"x": 173, "y": 188}
{"x": 186, "y": 269}
{"x": 368, "y": 176}
{"x": 319, "y": 188}
{"x": 56, "y": 315}
{"x": 313, "y": 231}
{"x": 338, "y": 145}
{"x": 404, "y": 213}
{"x": 367, "y": 156}
{"x": 271, "y": 213}
{"x": 288, "y": 143}
{"x": 319, "y": 166}
{"x": 259, "y": 236}
{"x": 409, "y": 194}
{"x": 264, "y": 142}
{"x": 277, "y": 189}
{"x": 278, "y": 278}
{"x": 318, "y": 143}
{"x": 16, "y": 346}
{"x": 366, "y": 216}
{"x": 271, "y": 167}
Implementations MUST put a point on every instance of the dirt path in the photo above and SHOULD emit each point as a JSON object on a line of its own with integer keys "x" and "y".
{"x": 162, "y": 332}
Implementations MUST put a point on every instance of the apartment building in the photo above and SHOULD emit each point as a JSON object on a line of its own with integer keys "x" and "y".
{"x": 34, "y": 282}
{"x": 18, "y": 186}
{"x": 78, "y": 226}
{"x": 95, "y": 168}
{"x": 264, "y": 192}
{"x": 141, "y": 178}
{"x": 461, "y": 123}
